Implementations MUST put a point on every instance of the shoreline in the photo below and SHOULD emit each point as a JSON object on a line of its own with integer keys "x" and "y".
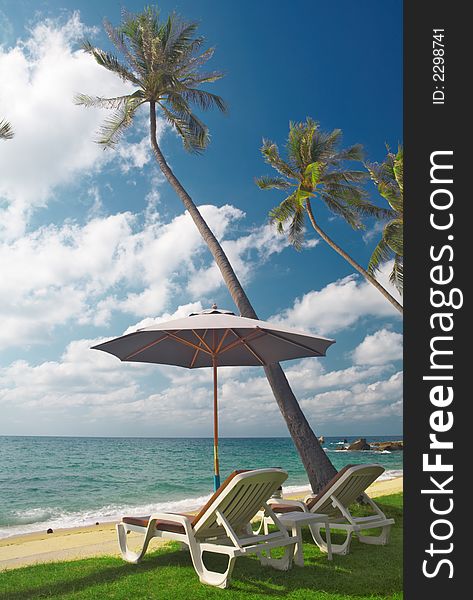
{"x": 99, "y": 540}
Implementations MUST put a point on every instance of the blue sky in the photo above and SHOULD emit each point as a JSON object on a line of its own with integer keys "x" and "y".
{"x": 94, "y": 243}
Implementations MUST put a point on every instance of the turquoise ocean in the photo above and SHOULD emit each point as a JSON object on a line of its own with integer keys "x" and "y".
{"x": 75, "y": 481}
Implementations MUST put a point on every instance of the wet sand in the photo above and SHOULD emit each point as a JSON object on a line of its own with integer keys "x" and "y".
{"x": 99, "y": 540}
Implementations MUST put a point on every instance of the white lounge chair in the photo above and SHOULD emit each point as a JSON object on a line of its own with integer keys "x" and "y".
{"x": 221, "y": 526}
{"x": 335, "y": 500}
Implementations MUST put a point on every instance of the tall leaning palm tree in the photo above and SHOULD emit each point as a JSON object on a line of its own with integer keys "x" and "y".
{"x": 389, "y": 179}
{"x": 6, "y": 130}
{"x": 163, "y": 60}
{"x": 315, "y": 170}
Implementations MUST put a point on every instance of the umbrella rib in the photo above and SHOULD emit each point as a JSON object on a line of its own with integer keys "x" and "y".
{"x": 298, "y": 344}
{"x": 221, "y": 341}
{"x": 187, "y": 343}
{"x": 248, "y": 347}
{"x": 146, "y": 347}
{"x": 239, "y": 340}
{"x": 202, "y": 340}
{"x": 196, "y": 353}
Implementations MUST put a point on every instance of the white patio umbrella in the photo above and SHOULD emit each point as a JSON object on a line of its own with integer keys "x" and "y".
{"x": 215, "y": 338}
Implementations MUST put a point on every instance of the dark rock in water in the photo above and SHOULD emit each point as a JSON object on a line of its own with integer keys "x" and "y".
{"x": 389, "y": 446}
{"x": 50, "y": 530}
{"x": 360, "y": 444}
{"x": 345, "y": 441}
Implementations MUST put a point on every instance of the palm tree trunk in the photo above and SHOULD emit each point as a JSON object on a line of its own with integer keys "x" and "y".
{"x": 350, "y": 260}
{"x": 316, "y": 463}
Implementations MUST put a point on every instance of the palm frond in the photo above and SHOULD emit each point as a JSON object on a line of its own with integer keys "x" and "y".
{"x": 267, "y": 183}
{"x": 345, "y": 192}
{"x": 99, "y": 102}
{"x": 282, "y": 213}
{"x": 355, "y": 152}
{"x": 381, "y": 254}
{"x": 388, "y": 177}
{"x": 397, "y": 274}
{"x": 114, "y": 127}
{"x": 190, "y": 64}
{"x": 394, "y": 235}
{"x": 180, "y": 37}
{"x": 391, "y": 193}
{"x": 345, "y": 176}
{"x": 6, "y": 130}
{"x": 292, "y": 211}
{"x": 204, "y": 100}
{"x": 296, "y": 231}
{"x": 194, "y": 134}
{"x": 195, "y": 79}
{"x": 340, "y": 209}
{"x": 299, "y": 143}
{"x": 137, "y": 30}
{"x": 398, "y": 168}
{"x": 271, "y": 155}
{"x": 355, "y": 199}
{"x": 315, "y": 173}
{"x": 117, "y": 37}
{"x": 323, "y": 145}
{"x": 111, "y": 63}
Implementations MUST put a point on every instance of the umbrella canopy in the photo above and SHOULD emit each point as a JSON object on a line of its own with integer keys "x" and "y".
{"x": 215, "y": 338}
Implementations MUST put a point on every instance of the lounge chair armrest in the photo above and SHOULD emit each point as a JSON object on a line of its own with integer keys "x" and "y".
{"x": 308, "y": 498}
{"x": 182, "y": 519}
{"x": 295, "y": 503}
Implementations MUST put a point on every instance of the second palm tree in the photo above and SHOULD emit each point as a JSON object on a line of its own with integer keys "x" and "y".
{"x": 315, "y": 169}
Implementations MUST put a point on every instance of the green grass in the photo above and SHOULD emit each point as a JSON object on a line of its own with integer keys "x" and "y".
{"x": 368, "y": 573}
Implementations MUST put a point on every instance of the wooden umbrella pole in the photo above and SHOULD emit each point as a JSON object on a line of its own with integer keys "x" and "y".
{"x": 216, "y": 465}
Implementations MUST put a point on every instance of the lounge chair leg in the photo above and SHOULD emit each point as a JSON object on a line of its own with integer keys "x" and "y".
{"x": 221, "y": 580}
{"x": 127, "y": 554}
{"x": 379, "y": 540}
{"x": 322, "y": 544}
{"x": 249, "y": 529}
{"x": 259, "y": 528}
{"x": 266, "y": 522}
{"x": 281, "y": 564}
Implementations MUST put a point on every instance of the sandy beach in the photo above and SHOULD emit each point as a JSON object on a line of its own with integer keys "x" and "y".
{"x": 99, "y": 540}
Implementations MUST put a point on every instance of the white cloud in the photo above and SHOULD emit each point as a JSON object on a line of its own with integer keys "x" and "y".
{"x": 340, "y": 305}
{"x": 53, "y": 142}
{"x": 117, "y": 394}
{"x": 49, "y": 275}
{"x": 123, "y": 394}
{"x": 81, "y": 378}
{"x": 182, "y": 311}
{"x": 361, "y": 403}
{"x": 379, "y": 348}
{"x": 87, "y": 272}
{"x": 134, "y": 155}
{"x": 244, "y": 254}
{"x": 310, "y": 375}
{"x": 374, "y": 231}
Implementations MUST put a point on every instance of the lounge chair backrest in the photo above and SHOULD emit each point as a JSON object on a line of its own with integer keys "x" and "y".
{"x": 347, "y": 485}
{"x": 238, "y": 499}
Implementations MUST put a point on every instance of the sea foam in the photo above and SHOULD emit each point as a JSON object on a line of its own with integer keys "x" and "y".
{"x": 41, "y": 519}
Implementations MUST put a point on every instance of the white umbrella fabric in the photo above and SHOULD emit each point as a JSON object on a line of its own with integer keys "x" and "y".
{"x": 215, "y": 338}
